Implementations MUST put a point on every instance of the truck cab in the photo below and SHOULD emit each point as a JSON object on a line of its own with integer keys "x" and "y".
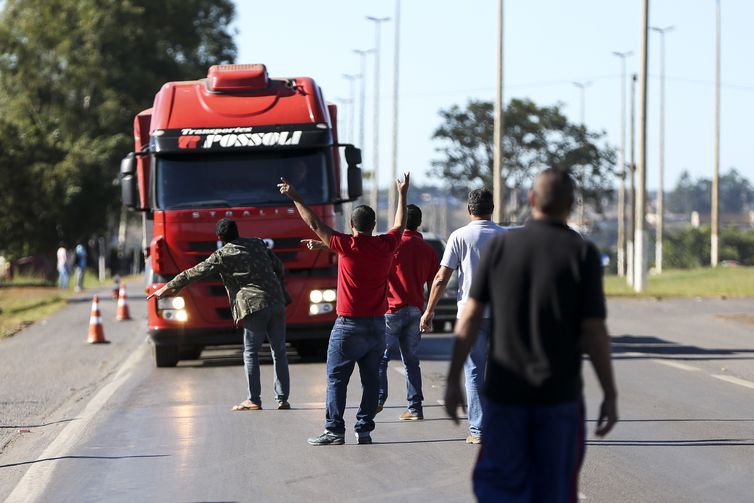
{"x": 215, "y": 148}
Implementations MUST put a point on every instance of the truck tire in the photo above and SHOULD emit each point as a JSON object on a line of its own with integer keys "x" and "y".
{"x": 165, "y": 356}
{"x": 190, "y": 352}
{"x": 311, "y": 348}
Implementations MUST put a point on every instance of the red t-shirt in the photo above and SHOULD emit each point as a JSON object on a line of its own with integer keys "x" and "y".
{"x": 363, "y": 266}
{"x": 414, "y": 265}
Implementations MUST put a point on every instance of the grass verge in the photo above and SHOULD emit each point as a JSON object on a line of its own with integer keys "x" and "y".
{"x": 702, "y": 282}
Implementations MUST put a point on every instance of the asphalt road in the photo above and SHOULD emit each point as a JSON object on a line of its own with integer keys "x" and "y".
{"x": 105, "y": 425}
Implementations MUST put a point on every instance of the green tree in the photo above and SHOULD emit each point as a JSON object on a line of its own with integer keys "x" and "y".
{"x": 736, "y": 194}
{"x": 535, "y": 138}
{"x": 73, "y": 73}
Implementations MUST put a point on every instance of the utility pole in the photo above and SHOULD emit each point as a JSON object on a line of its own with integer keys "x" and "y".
{"x": 352, "y": 98}
{"x": 632, "y": 171}
{"x": 362, "y": 98}
{"x": 621, "y": 251}
{"x": 376, "y": 133}
{"x": 582, "y": 175}
{"x": 640, "y": 233}
{"x": 499, "y": 126}
{"x": 715, "y": 216}
{"x": 391, "y": 195}
{"x": 661, "y": 167}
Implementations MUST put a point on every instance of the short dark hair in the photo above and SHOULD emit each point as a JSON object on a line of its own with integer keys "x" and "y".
{"x": 363, "y": 218}
{"x": 480, "y": 202}
{"x": 226, "y": 230}
{"x": 413, "y": 217}
{"x": 554, "y": 192}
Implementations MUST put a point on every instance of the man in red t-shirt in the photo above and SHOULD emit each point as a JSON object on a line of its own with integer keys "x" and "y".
{"x": 358, "y": 335}
{"x": 414, "y": 266}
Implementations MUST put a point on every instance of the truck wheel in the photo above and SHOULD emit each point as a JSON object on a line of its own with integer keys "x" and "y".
{"x": 311, "y": 349}
{"x": 165, "y": 356}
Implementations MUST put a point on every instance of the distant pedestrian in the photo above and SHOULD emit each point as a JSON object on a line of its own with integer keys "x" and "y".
{"x": 80, "y": 265}
{"x": 414, "y": 266}
{"x": 544, "y": 285}
{"x": 253, "y": 277}
{"x": 63, "y": 269}
{"x": 358, "y": 336}
{"x": 462, "y": 253}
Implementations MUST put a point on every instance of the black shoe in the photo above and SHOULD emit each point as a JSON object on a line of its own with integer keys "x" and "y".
{"x": 363, "y": 438}
{"x": 327, "y": 438}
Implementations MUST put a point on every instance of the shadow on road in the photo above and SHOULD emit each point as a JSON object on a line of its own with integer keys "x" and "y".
{"x": 628, "y": 347}
{"x": 39, "y": 425}
{"x": 84, "y": 457}
{"x": 712, "y": 442}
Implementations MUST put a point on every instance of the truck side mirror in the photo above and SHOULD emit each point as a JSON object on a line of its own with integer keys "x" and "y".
{"x": 353, "y": 156}
{"x": 128, "y": 190}
{"x": 354, "y": 182}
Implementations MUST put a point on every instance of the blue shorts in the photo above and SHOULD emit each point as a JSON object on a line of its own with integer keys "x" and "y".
{"x": 530, "y": 453}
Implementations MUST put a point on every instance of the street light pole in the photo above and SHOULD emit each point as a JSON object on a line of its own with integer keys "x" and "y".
{"x": 362, "y": 98}
{"x": 661, "y": 167}
{"x": 376, "y": 133}
{"x": 352, "y": 97}
{"x": 640, "y": 235}
{"x": 582, "y": 175}
{"x": 632, "y": 171}
{"x": 499, "y": 126}
{"x": 715, "y": 216}
{"x": 391, "y": 195}
{"x": 621, "y": 255}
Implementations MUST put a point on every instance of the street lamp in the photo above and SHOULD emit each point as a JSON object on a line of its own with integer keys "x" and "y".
{"x": 499, "y": 126}
{"x": 352, "y": 98}
{"x": 376, "y": 133}
{"x": 661, "y": 167}
{"x": 640, "y": 237}
{"x": 715, "y": 213}
{"x": 362, "y": 95}
{"x": 621, "y": 255}
{"x": 582, "y": 175}
{"x": 391, "y": 195}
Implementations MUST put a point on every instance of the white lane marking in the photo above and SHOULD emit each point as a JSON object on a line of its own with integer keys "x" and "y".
{"x": 677, "y": 365}
{"x": 441, "y": 402}
{"x": 734, "y": 380}
{"x": 36, "y": 478}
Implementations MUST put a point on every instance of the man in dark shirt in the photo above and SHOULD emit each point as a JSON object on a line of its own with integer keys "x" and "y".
{"x": 358, "y": 335}
{"x": 544, "y": 285}
{"x": 414, "y": 266}
{"x": 253, "y": 277}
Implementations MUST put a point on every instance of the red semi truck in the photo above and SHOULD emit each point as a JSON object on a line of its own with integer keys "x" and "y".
{"x": 215, "y": 148}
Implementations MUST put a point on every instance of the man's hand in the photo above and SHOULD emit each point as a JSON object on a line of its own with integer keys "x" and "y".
{"x": 607, "y": 418}
{"x": 454, "y": 398}
{"x": 314, "y": 244}
{"x": 426, "y": 321}
{"x": 286, "y": 188}
{"x": 402, "y": 185}
{"x": 161, "y": 292}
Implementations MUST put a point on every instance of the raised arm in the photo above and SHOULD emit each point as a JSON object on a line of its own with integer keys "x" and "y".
{"x": 596, "y": 344}
{"x": 400, "y": 212}
{"x": 321, "y": 229}
{"x": 438, "y": 288}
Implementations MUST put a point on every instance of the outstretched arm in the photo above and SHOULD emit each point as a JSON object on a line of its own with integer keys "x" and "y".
{"x": 400, "y": 212}
{"x": 199, "y": 271}
{"x": 321, "y": 229}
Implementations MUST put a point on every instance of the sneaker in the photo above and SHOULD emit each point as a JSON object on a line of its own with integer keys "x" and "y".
{"x": 284, "y": 405}
{"x": 379, "y": 409}
{"x": 473, "y": 439}
{"x": 363, "y": 438}
{"x": 327, "y": 438}
{"x": 410, "y": 415}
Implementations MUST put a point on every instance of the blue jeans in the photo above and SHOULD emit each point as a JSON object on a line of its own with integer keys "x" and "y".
{"x": 354, "y": 340}
{"x": 402, "y": 329}
{"x": 531, "y": 453}
{"x": 63, "y": 275}
{"x": 473, "y": 370}
{"x": 267, "y": 323}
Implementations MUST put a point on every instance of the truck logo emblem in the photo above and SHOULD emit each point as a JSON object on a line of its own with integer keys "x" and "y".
{"x": 252, "y": 139}
{"x": 188, "y": 141}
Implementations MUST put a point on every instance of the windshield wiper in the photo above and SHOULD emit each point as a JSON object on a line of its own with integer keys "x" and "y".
{"x": 214, "y": 203}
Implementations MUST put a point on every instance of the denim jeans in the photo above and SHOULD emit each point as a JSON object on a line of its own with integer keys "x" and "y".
{"x": 267, "y": 323}
{"x": 402, "y": 330}
{"x": 473, "y": 370}
{"x": 531, "y": 453}
{"x": 354, "y": 340}
{"x": 63, "y": 275}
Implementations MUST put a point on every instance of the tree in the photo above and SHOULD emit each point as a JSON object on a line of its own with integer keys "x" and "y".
{"x": 535, "y": 138}
{"x": 73, "y": 73}
{"x": 736, "y": 194}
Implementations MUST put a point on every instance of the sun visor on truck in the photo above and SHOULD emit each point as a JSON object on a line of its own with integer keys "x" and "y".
{"x": 241, "y": 138}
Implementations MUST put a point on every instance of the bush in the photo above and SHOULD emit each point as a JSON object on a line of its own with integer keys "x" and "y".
{"x": 691, "y": 248}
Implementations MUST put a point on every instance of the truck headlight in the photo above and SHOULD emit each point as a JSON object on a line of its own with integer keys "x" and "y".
{"x": 172, "y": 309}
{"x": 171, "y": 303}
{"x": 315, "y": 296}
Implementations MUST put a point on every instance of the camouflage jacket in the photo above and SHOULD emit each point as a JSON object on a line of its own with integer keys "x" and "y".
{"x": 252, "y": 275}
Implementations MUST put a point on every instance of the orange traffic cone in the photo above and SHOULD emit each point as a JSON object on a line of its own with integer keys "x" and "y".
{"x": 96, "y": 332}
{"x": 122, "y": 313}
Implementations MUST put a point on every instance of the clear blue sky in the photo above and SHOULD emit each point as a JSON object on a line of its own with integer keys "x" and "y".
{"x": 448, "y": 56}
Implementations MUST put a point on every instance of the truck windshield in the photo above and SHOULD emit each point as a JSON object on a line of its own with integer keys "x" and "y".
{"x": 219, "y": 181}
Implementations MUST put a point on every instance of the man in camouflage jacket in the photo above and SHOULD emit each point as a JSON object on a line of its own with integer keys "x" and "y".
{"x": 253, "y": 277}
